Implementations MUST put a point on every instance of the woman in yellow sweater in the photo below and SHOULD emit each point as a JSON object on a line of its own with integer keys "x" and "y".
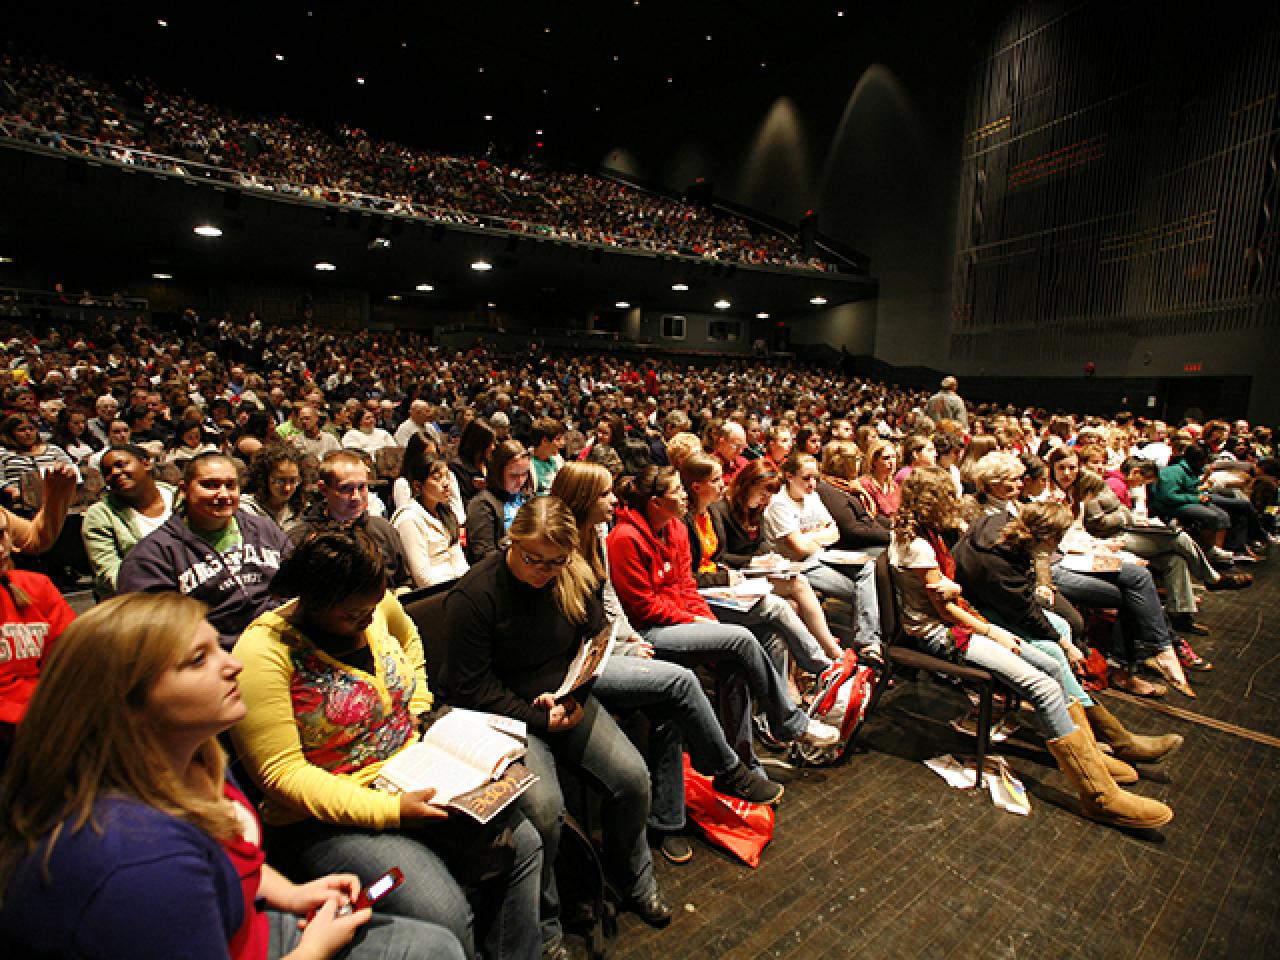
{"x": 334, "y": 681}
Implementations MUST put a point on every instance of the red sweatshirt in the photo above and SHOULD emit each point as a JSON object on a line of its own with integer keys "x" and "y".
{"x": 653, "y": 576}
{"x": 25, "y": 636}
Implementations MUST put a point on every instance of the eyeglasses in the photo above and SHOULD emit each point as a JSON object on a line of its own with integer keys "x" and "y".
{"x": 543, "y": 563}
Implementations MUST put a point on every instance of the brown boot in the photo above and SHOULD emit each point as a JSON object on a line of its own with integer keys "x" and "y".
{"x": 1100, "y": 799}
{"x": 1120, "y": 771}
{"x": 1133, "y": 747}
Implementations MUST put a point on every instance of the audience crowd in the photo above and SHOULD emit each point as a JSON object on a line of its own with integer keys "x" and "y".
{"x": 145, "y": 126}
{"x": 343, "y": 502}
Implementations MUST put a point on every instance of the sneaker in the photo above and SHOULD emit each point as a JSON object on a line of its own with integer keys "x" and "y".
{"x": 744, "y": 783}
{"x": 819, "y": 734}
{"x": 676, "y": 848}
{"x": 761, "y": 724}
{"x": 1188, "y": 657}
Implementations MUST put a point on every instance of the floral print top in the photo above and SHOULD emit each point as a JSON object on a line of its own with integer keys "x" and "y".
{"x": 318, "y": 730}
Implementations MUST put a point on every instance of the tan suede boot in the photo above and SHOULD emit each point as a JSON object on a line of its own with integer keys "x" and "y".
{"x": 1120, "y": 771}
{"x": 1131, "y": 747}
{"x": 1100, "y": 799}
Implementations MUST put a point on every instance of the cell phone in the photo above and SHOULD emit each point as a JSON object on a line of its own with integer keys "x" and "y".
{"x": 371, "y": 894}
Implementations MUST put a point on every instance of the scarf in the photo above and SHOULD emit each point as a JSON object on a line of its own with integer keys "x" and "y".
{"x": 960, "y": 634}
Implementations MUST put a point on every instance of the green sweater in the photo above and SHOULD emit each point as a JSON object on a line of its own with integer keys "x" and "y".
{"x": 110, "y": 531}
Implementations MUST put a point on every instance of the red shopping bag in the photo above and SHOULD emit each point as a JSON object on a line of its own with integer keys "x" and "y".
{"x": 742, "y": 828}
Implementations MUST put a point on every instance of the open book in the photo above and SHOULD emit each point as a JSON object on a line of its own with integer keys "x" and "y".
{"x": 469, "y": 758}
{"x": 739, "y": 596}
{"x": 590, "y": 661}
{"x": 1092, "y": 562}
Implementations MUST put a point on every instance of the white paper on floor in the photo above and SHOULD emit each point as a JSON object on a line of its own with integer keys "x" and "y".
{"x": 1007, "y": 791}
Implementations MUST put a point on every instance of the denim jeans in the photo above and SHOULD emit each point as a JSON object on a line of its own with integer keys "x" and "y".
{"x": 1070, "y": 685}
{"x": 680, "y": 717}
{"x": 857, "y": 586}
{"x": 744, "y": 671}
{"x": 1144, "y": 627}
{"x": 1245, "y": 526}
{"x": 1207, "y": 516}
{"x": 598, "y": 750}
{"x": 384, "y": 937}
{"x": 772, "y": 613}
{"x": 1034, "y": 674}
{"x": 506, "y": 909}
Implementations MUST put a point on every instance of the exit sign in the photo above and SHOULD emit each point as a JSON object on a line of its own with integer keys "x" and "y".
{"x": 1192, "y": 367}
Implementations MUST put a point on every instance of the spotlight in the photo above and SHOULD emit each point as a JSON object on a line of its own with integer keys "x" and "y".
{"x": 481, "y": 266}
{"x": 424, "y": 288}
{"x": 622, "y": 305}
{"x": 722, "y": 304}
{"x": 207, "y": 230}
{"x": 680, "y": 287}
{"x": 325, "y": 267}
{"x": 162, "y": 276}
{"x": 762, "y": 315}
{"x": 818, "y": 301}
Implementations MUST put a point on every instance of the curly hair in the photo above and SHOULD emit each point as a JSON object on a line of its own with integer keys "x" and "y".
{"x": 266, "y": 460}
{"x": 929, "y": 502}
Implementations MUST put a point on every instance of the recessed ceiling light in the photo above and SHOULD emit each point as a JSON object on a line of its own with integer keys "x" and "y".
{"x": 762, "y": 315}
{"x": 722, "y": 304}
{"x": 208, "y": 230}
{"x": 818, "y": 301}
{"x": 481, "y": 265}
{"x": 424, "y": 288}
{"x": 680, "y": 287}
{"x": 325, "y": 267}
{"x": 395, "y": 296}
{"x": 622, "y": 305}
{"x": 162, "y": 276}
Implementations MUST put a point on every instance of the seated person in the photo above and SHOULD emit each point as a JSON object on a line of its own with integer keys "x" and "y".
{"x": 33, "y": 615}
{"x": 513, "y": 624}
{"x": 936, "y": 615}
{"x": 671, "y": 696}
{"x": 335, "y": 686}
{"x": 343, "y": 503}
{"x": 861, "y": 526}
{"x": 274, "y": 487}
{"x": 429, "y": 532}
{"x": 995, "y": 564}
{"x": 135, "y": 505}
{"x": 122, "y": 835}
{"x": 210, "y": 549}
{"x": 651, "y": 570}
{"x": 491, "y": 511}
{"x": 797, "y": 525}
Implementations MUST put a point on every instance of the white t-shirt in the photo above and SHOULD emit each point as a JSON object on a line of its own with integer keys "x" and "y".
{"x": 919, "y": 619}
{"x": 784, "y": 516}
{"x": 149, "y": 525}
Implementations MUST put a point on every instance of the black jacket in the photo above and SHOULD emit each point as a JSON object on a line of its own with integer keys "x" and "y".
{"x": 1000, "y": 581}
{"x": 858, "y": 528}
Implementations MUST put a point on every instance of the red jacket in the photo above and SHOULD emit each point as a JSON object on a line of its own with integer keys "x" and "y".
{"x": 25, "y": 637}
{"x": 654, "y": 577}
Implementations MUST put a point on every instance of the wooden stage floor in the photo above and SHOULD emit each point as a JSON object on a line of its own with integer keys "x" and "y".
{"x": 880, "y": 858}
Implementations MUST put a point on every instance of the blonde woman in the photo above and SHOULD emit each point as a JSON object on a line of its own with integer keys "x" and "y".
{"x": 513, "y": 624}
{"x": 122, "y": 836}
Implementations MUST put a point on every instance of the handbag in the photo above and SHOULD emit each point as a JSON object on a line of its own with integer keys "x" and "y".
{"x": 739, "y": 826}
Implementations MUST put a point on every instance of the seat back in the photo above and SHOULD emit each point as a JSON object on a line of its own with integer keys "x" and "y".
{"x": 427, "y": 613}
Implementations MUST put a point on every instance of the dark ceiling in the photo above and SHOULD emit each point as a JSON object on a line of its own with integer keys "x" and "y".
{"x": 433, "y": 71}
